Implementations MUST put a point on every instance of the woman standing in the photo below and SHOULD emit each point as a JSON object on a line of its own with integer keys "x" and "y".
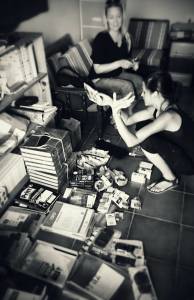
{"x": 111, "y": 51}
{"x": 165, "y": 133}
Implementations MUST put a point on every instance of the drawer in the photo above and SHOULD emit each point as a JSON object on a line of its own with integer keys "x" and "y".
{"x": 184, "y": 78}
{"x": 182, "y": 49}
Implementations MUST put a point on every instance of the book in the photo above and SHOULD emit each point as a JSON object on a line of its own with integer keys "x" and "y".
{"x": 45, "y": 184}
{"x": 49, "y": 262}
{"x": 46, "y": 176}
{"x": 21, "y": 220}
{"x": 99, "y": 278}
{"x": 54, "y": 169}
{"x": 36, "y": 158}
{"x": 42, "y": 108}
{"x": 25, "y": 62}
{"x": 41, "y": 168}
{"x": 51, "y": 181}
{"x": 36, "y": 116}
{"x": 31, "y": 56}
{"x": 69, "y": 220}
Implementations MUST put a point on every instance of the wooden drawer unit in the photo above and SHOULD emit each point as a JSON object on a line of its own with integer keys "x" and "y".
{"x": 182, "y": 49}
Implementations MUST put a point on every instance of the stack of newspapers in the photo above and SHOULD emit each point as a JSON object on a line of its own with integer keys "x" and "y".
{"x": 48, "y": 155}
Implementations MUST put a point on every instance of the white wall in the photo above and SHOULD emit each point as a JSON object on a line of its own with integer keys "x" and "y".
{"x": 174, "y": 10}
{"x": 62, "y": 17}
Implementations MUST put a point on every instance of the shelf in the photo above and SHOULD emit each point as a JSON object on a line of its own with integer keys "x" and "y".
{"x": 8, "y": 99}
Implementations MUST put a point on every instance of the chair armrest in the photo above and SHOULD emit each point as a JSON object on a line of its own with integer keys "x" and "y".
{"x": 70, "y": 90}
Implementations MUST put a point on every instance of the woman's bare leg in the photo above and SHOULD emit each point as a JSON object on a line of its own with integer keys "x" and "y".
{"x": 167, "y": 173}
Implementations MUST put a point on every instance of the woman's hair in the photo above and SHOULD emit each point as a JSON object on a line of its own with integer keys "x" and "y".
{"x": 113, "y": 3}
{"x": 161, "y": 82}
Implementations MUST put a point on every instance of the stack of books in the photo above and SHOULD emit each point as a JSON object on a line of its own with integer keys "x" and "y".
{"x": 47, "y": 153}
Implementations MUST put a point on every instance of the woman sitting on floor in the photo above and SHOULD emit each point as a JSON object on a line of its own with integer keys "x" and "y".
{"x": 165, "y": 133}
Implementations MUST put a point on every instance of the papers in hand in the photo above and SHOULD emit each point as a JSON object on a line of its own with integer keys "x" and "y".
{"x": 96, "y": 97}
{"x": 102, "y": 99}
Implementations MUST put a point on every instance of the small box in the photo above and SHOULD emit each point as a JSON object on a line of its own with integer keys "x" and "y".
{"x": 137, "y": 177}
{"x": 136, "y": 203}
{"x": 146, "y": 172}
{"x": 145, "y": 165}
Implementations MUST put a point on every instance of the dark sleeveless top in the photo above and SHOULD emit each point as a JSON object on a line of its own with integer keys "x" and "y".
{"x": 184, "y": 136}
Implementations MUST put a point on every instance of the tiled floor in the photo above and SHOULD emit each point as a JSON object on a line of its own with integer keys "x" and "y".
{"x": 165, "y": 225}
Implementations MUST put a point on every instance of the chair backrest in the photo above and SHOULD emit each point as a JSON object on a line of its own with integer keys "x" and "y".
{"x": 78, "y": 58}
{"x": 149, "y": 33}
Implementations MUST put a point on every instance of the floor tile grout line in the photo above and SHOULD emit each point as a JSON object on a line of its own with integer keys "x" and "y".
{"x": 157, "y": 218}
{"x": 164, "y": 220}
{"x": 130, "y": 225}
{"x": 178, "y": 191}
{"x": 133, "y": 215}
{"x": 180, "y": 237}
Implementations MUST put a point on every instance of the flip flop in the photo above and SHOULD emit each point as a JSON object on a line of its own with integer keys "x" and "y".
{"x": 173, "y": 183}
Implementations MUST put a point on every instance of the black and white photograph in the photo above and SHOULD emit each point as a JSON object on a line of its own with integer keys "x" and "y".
{"x": 97, "y": 150}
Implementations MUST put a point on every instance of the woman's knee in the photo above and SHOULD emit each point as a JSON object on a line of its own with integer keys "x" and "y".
{"x": 125, "y": 88}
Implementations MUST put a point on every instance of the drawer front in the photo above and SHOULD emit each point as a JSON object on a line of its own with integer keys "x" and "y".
{"x": 182, "y": 50}
{"x": 183, "y": 78}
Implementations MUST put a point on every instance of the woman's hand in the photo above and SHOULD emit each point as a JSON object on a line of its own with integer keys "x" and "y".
{"x": 96, "y": 97}
{"x": 135, "y": 65}
{"x": 123, "y": 103}
{"x": 125, "y": 64}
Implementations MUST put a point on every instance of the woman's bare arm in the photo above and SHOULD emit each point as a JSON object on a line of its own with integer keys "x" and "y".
{"x": 145, "y": 114}
{"x": 131, "y": 139}
{"x": 105, "y": 68}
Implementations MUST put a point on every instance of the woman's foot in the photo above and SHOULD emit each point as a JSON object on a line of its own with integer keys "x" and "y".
{"x": 162, "y": 185}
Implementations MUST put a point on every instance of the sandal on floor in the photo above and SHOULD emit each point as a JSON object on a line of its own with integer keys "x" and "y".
{"x": 152, "y": 188}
